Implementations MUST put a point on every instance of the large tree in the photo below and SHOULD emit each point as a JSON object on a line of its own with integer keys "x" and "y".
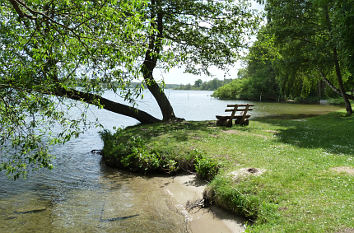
{"x": 197, "y": 35}
{"x": 313, "y": 42}
{"x": 54, "y": 53}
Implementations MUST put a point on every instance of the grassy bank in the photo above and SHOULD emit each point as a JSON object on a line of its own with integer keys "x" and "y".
{"x": 285, "y": 175}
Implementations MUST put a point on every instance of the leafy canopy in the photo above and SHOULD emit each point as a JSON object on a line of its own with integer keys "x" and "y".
{"x": 48, "y": 46}
{"x": 52, "y": 50}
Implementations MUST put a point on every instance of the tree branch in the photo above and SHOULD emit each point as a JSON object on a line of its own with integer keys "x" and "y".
{"x": 14, "y": 3}
{"x": 107, "y": 104}
{"x": 334, "y": 88}
{"x": 93, "y": 99}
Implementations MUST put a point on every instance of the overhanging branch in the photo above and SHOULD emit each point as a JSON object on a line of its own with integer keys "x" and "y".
{"x": 93, "y": 99}
{"x": 334, "y": 88}
{"x": 107, "y": 104}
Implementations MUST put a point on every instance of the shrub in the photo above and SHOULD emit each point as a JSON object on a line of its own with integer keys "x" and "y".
{"x": 307, "y": 100}
{"x": 205, "y": 167}
{"x": 128, "y": 152}
{"x": 337, "y": 101}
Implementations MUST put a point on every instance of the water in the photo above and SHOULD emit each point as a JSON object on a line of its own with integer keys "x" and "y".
{"x": 82, "y": 195}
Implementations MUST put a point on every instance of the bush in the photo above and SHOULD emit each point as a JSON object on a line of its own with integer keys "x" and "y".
{"x": 337, "y": 101}
{"x": 128, "y": 152}
{"x": 206, "y": 168}
{"x": 307, "y": 100}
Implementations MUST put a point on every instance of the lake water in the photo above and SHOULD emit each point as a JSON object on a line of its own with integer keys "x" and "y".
{"x": 82, "y": 195}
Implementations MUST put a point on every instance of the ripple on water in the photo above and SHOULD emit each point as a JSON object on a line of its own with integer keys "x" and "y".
{"x": 80, "y": 191}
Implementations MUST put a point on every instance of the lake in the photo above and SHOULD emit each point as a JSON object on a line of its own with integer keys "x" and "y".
{"x": 82, "y": 195}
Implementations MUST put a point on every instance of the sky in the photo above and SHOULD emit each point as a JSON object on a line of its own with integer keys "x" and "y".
{"x": 177, "y": 76}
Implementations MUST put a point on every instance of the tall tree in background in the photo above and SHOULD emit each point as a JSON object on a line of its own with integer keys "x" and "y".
{"x": 310, "y": 42}
{"x": 260, "y": 68}
{"x": 257, "y": 81}
{"x": 55, "y": 53}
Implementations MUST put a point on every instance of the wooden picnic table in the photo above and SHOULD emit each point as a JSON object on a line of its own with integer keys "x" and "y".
{"x": 238, "y": 112}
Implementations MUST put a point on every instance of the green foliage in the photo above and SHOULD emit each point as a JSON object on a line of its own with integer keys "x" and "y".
{"x": 208, "y": 85}
{"x": 343, "y": 17}
{"x": 130, "y": 153}
{"x": 301, "y": 45}
{"x": 258, "y": 81}
{"x": 206, "y": 168}
{"x": 307, "y": 100}
{"x": 312, "y": 40}
{"x": 52, "y": 47}
{"x": 336, "y": 101}
{"x": 52, "y": 51}
{"x": 234, "y": 90}
{"x": 200, "y": 34}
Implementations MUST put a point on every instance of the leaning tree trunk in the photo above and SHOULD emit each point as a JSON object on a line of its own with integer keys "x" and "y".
{"x": 348, "y": 106}
{"x": 150, "y": 62}
{"x": 158, "y": 93}
{"x": 142, "y": 116}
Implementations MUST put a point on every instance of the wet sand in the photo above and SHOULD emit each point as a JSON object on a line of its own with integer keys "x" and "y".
{"x": 200, "y": 220}
{"x": 124, "y": 203}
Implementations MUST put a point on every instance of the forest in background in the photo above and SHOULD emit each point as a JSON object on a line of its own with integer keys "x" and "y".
{"x": 210, "y": 85}
{"x": 303, "y": 54}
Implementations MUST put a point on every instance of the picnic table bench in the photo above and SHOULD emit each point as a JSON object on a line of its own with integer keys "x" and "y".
{"x": 238, "y": 112}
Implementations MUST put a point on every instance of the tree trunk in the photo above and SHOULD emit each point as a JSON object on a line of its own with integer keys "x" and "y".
{"x": 159, "y": 95}
{"x": 348, "y": 106}
{"x": 150, "y": 62}
{"x": 107, "y": 104}
{"x": 334, "y": 88}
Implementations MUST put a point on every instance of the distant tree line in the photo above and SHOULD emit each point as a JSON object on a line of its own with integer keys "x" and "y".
{"x": 208, "y": 85}
{"x": 304, "y": 53}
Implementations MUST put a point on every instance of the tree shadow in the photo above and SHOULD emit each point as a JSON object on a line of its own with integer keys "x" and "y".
{"x": 181, "y": 131}
{"x": 332, "y": 132}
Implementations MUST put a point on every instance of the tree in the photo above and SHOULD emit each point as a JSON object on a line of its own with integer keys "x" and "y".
{"x": 260, "y": 70}
{"x": 258, "y": 80}
{"x": 56, "y": 51}
{"x": 198, "y": 83}
{"x": 309, "y": 44}
{"x": 198, "y": 34}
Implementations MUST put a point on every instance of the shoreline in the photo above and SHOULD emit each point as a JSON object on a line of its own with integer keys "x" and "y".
{"x": 186, "y": 188}
{"x": 264, "y": 172}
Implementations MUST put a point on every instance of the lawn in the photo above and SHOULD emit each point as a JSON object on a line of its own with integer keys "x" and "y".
{"x": 284, "y": 175}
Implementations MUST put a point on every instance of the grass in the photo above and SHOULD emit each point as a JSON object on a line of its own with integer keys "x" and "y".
{"x": 298, "y": 192}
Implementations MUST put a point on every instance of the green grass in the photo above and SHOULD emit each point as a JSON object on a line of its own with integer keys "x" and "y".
{"x": 298, "y": 192}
